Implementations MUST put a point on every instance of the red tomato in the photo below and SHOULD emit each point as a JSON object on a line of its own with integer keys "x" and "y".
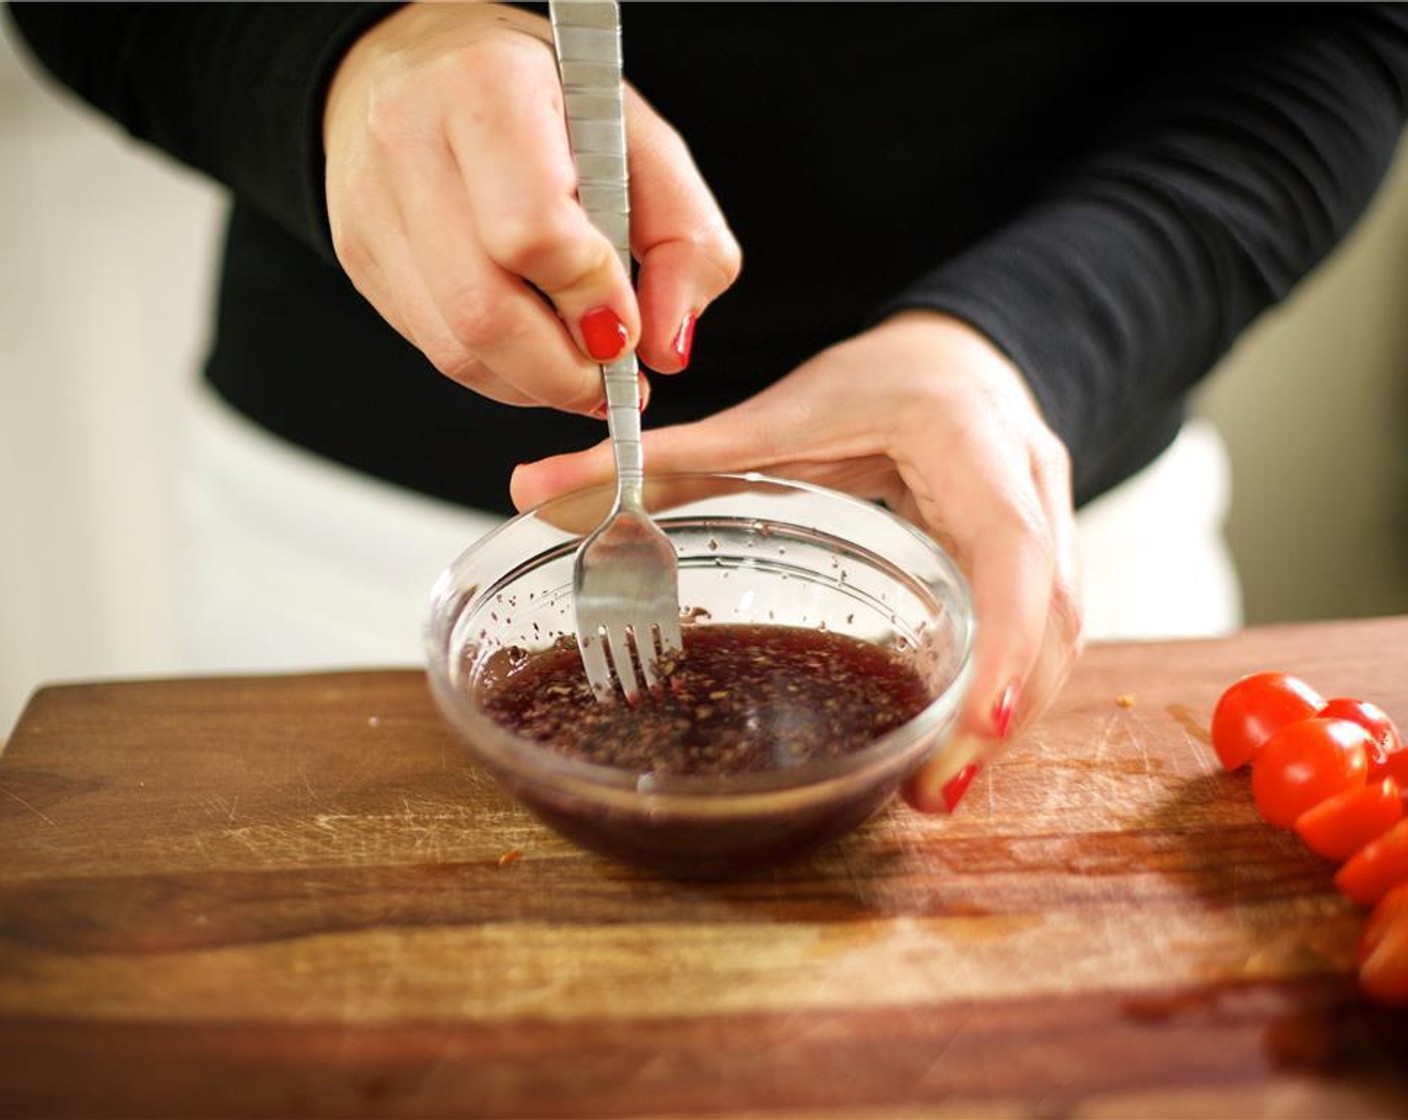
{"x": 1395, "y": 767}
{"x": 1377, "y": 867}
{"x": 1256, "y": 707}
{"x": 1387, "y": 741}
{"x": 1341, "y": 825}
{"x": 1383, "y": 949}
{"x": 1305, "y": 763}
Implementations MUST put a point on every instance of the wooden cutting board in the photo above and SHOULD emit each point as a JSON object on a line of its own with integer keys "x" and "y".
{"x": 295, "y": 896}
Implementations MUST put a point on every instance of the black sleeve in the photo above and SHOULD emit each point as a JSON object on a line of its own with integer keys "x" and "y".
{"x": 235, "y": 90}
{"x": 1237, "y": 167}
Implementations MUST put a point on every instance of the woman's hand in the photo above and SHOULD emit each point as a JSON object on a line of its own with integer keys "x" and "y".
{"x": 451, "y": 193}
{"x": 924, "y": 413}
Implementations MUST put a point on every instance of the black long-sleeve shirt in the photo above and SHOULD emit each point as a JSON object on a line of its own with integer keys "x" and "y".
{"x": 1110, "y": 193}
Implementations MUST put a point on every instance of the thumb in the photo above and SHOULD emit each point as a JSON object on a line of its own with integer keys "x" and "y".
{"x": 534, "y": 483}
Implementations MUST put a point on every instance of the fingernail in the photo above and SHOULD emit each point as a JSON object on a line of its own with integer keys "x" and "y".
{"x": 604, "y": 333}
{"x": 600, "y": 411}
{"x": 684, "y": 339}
{"x": 954, "y": 789}
{"x": 939, "y": 785}
{"x": 1003, "y": 710}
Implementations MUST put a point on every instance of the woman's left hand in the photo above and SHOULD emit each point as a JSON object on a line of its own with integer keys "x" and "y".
{"x": 924, "y": 413}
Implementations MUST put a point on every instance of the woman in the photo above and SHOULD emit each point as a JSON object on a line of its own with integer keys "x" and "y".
{"x": 989, "y": 251}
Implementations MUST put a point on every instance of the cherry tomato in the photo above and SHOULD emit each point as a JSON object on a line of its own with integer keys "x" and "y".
{"x": 1305, "y": 763}
{"x": 1340, "y": 826}
{"x": 1383, "y": 949}
{"x": 1388, "y": 743}
{"x": 1253, "y": 709}
{"x": 1377, "y": 867}
{"x": 1395, "y": 767}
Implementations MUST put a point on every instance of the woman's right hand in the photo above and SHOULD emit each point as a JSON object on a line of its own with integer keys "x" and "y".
{"x": 451, "y": 193}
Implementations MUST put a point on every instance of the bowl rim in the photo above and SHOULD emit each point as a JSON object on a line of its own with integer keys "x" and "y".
{"x": 499, "y": 748}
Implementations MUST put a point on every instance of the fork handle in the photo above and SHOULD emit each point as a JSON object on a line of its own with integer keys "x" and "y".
{"x": 587, "y": 38}
{"x": 623, "y": 422}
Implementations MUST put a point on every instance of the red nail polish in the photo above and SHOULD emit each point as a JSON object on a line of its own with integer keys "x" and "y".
{"x": 600, "y": 411}
{"x": 684, "y": 339}
{"x": 957, "y": 786}
{"x": 604, "y": 333}
{"x": 1003, "y": 710}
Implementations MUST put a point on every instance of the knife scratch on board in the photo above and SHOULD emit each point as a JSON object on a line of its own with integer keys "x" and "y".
{"x": 38, "y": 813}
{"x": 307, "y": 785}
{"x": 217, "y": 806}
{"x": 1195, "y": 729}
{"x": 1129, "y": 729}
{"x": 1133, "y": 729}
{"x": 934, "y": 1063}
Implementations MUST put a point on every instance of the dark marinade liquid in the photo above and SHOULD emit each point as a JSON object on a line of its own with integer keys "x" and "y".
{"x": 742, "y": 698}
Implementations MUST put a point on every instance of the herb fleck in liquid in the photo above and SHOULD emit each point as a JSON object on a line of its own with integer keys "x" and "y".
{"x": 743, "y": 698}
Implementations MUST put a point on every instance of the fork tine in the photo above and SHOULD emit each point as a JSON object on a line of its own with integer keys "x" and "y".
{"x": 594, "y": 661}
{"x": 667, "y": 633}
{"x": 620, "y": 646}
{"x": 671, "y": 640}
{"x": 644, "y": 633}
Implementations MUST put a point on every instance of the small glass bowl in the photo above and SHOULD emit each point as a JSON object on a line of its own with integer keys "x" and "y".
{"x": 752, "y": 549}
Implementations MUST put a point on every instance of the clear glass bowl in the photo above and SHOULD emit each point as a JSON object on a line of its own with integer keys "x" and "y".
{"x": 752, "y": 549}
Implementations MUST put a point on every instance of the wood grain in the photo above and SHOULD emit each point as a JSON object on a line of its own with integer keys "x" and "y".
{"x": 287, "y": 896}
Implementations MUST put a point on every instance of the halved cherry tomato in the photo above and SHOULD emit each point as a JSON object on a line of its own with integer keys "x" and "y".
{"x": 1256, "y": 707}
{"x": 1305, "y": 763}
{"x": 1377, "y": 867}
{"x": 1383, "y": 949}
{"x": 1341, "y": 825}
{"x": 1388, "y": 743}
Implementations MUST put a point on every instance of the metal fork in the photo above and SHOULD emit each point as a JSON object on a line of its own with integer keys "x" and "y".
{"x": 626, "y": 575}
